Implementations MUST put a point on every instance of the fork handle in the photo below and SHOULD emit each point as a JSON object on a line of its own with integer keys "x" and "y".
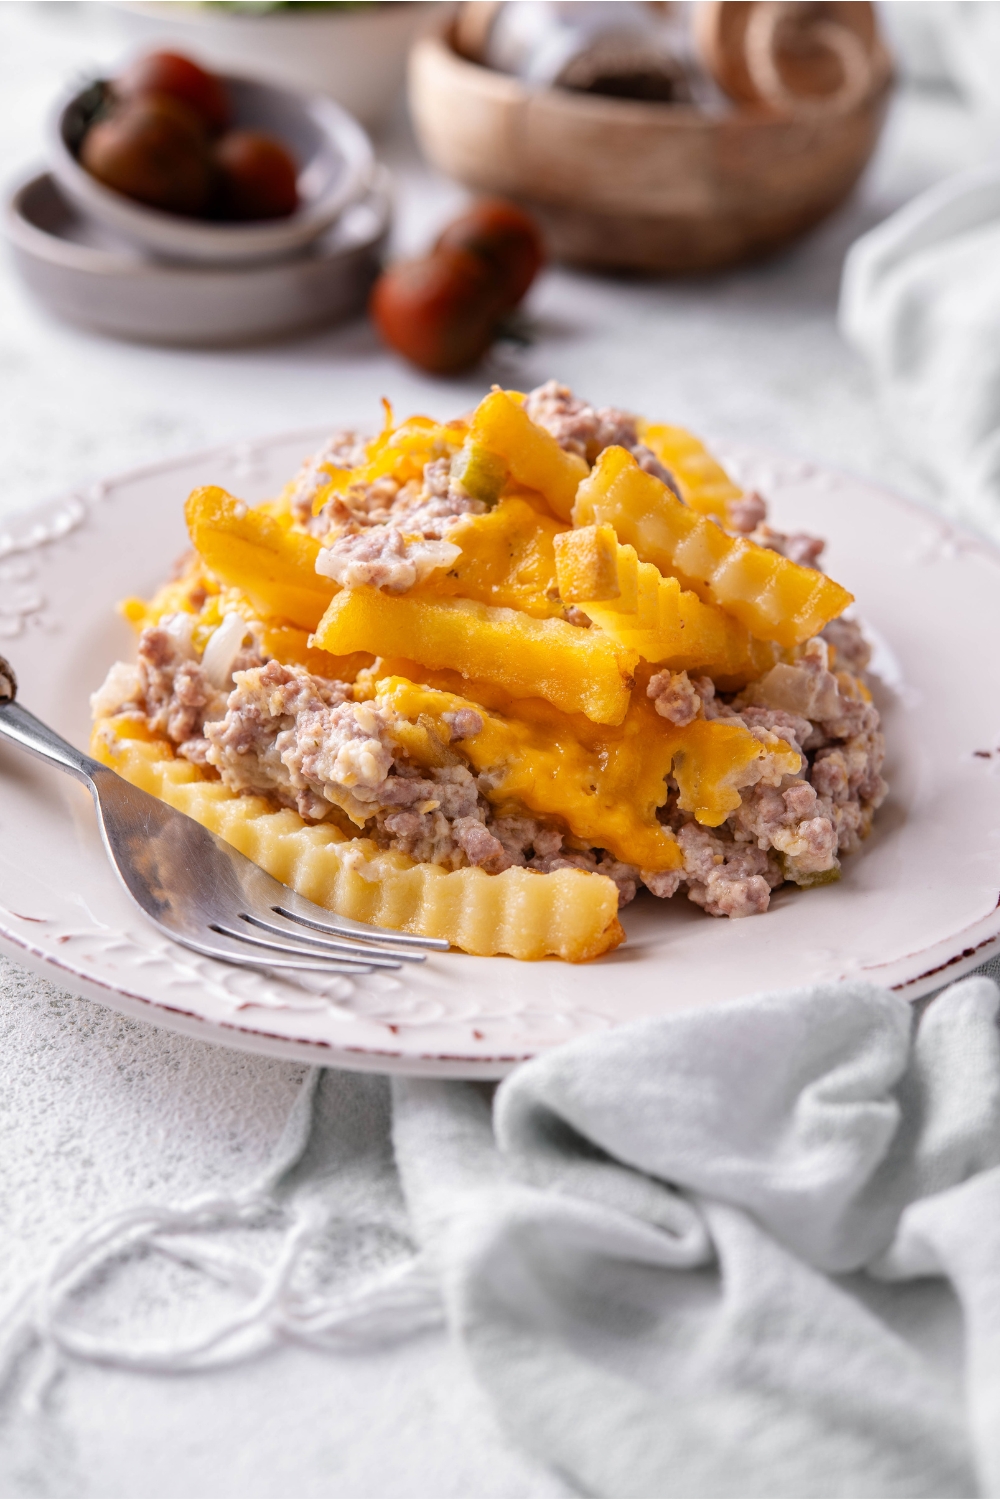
{"x": 22, "y": 728}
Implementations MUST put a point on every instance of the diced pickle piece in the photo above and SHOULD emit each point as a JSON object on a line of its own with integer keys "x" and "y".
{"x": 273, "y": 566}
{"x": 777, "y": 600}
{"x": 653, "y": 615}
{"x": 580, "y": 671}
{"x": 532, "y": 456}
{"x": 481, "y": 473}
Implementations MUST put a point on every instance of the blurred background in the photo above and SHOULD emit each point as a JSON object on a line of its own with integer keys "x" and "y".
{"x": 698, "y": 174}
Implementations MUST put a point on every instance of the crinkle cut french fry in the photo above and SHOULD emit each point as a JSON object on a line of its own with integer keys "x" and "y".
{"x": 199, "y": 593}
{"x": 579, "y": 671}
{"x": 532, "y": 455}
{"x": 639, "y": 608}
{"x": 506, "y": 560}
{"x": 250, "y": 550}
{"x": 777, "y": 600}
{"x": 287, "y": 643}
{"x": 567, "y": 914}
{"x": 704, "y": 483}
{"x": 587, "y": 565}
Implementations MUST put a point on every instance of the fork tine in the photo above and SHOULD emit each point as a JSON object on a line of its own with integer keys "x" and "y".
{"x": 374, "y": 960}
{"x": 345, "y": 927}
{"x": 334, "y": 946}
{"x": 193, "y": 886}
{"x": 276, "y": 961}
{"x": 224, "y": 949}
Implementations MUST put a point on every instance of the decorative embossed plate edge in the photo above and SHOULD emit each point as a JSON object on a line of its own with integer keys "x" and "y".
{"x": 918, "y": 908}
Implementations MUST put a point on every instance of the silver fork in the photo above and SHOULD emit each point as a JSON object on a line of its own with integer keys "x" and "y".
{"x": 196, "y": 888}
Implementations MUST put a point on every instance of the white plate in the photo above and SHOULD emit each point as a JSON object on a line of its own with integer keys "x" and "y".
{"x": 83, "y": 273}
{"x": 917, "y": 907}
{"x": 333, "y": 155}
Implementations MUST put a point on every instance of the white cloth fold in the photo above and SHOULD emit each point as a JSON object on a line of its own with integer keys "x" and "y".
{"x": 661, "y": 1257}
{"x": 698, "y": 1255}
{"x": 920, "y": 299}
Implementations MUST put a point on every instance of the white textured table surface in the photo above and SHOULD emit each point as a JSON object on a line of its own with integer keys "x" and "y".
{"x": 98, "y": 1112}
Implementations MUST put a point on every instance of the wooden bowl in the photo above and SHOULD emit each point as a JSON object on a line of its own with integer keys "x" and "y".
{"x": 643, "y": 187}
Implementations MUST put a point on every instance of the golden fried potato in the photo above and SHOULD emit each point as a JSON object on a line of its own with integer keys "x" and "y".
{"x": 274, "y": 566}
{"x": 507, "y": 560}
{"x": 777, "y": 600}
{"x": 532, "y": 455}
{"x": 578, "y": 670}
{"x": 567, "y": 914}
{"x": 653, "y": 615}
{"x": 701, "y": 479}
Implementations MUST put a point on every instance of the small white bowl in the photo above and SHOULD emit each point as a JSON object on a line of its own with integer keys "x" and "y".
{"x": 357, "y": 57}
{"x": 333, "y": 154}
{"x": 82, "y": 272}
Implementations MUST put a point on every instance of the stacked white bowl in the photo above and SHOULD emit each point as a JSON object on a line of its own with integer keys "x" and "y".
{"x": 114, "y": 264}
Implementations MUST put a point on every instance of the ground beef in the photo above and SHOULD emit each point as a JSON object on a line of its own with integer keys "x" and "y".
{"x": 526, "y": 839}
{"x": 431, "y": 508}
{"x": 463, "y": 723}
{"x": 793, "y": 827}
{"x": 436, "y": 816}
{"x": 344, "y": 450}
{"x": 577, "y": 426}
{"x": 851, "y": 648}
{"x": 358, "y": 506}
{"x": 304, "y": 742}
{"x": 423, "y": 509}
{"x": 586, "y": 430}
{"x": 384, "y": 558}
{"x": 662, "y": 883}
{"x": 480, "y": 847}
{"x": 792, "y": 821}
{"x": 292, "y": 736}
{"x": 797, "y": 546}
{"x": 168, "y": 687}
{"x": 726, "y": 878}
{"x": 747, "y": 513}
{"x": 674, "y": 697}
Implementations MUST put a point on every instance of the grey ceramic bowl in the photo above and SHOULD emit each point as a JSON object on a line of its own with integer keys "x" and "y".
{"x": 80, "y": 270}
{"x": 333, "y": 154}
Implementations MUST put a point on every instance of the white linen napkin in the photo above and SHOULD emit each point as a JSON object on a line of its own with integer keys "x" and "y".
{"x": 667, "y": 1258}
{"x": 920, "y": 294}
{"x": 920, "y": 299}
{"x": 716, "y": 1253}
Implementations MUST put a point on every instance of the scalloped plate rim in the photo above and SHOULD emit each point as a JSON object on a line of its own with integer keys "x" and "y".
{"x": 915, "y": 975}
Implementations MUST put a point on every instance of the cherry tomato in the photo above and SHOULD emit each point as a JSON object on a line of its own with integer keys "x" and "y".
{"x": 504, "y": 236}
{"x": 440, "y": 312}
{"x": 152, "y": 148}
{"x": 170, "y": 73}
{"x": 257, "y": 177}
